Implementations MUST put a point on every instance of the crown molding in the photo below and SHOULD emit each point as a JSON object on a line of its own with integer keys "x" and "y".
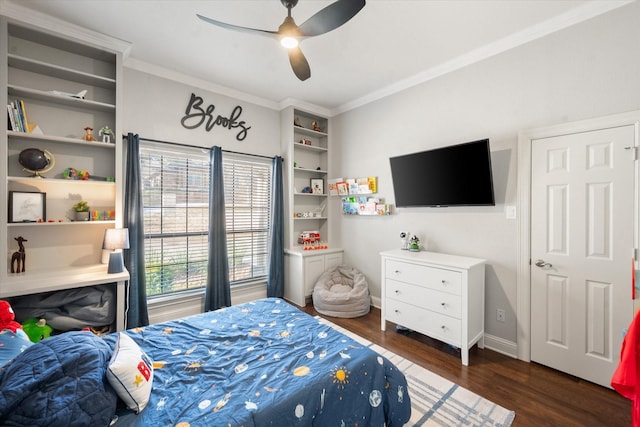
{"x": 305, "y": 106}
{"x": 572, "y": 17}
{"x": 159, "y": 71}
{"x": 60, "y": 28}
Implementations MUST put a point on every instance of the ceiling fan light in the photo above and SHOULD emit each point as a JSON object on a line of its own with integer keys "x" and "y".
{"x": 289, "y": 42}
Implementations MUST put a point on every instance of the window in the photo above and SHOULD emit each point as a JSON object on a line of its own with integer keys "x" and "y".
{"x": 176, "y": 216}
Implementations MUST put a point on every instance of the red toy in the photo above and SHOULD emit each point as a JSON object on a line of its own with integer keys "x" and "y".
{"x": 7, "y": 317}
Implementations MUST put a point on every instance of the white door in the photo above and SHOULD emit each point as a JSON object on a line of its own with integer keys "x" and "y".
{"x": 582, "y": 237}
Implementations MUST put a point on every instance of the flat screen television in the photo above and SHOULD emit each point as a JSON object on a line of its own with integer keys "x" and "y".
{"x": 456, "y": 175}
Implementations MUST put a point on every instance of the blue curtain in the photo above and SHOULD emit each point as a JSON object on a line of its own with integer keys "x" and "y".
{"x": 218, "y": 292}
{"x": 275, "y": 280}
{"x": 138, "y": 314}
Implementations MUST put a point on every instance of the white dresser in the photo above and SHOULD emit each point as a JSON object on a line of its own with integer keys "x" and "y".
{"x": 438, "y": 295}
{"x": 302, "y": 270}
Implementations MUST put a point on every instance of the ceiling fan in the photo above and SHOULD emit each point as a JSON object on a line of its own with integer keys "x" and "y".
{"x": 290, "y": 34}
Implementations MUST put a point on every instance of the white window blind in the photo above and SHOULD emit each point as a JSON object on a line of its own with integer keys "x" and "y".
{"x": 247, "y": 193}
{"x": 176, "y": 216}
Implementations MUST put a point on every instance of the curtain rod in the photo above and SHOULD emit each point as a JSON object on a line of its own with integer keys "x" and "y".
{"x": 181, "y": 144}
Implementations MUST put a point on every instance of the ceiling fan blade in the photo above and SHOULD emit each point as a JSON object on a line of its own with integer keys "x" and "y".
{"x": 299, "y": 64}
{"x": 331, "y": 17}
{"x": 267, "y": 33}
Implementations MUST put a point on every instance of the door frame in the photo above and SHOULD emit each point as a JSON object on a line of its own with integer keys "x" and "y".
{"x": 523, "y": 204}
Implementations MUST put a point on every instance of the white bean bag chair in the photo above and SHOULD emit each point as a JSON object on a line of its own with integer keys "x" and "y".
{"x": 342, "y": 292}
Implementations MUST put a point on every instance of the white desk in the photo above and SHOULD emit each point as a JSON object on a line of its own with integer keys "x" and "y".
{"x": 35, "y": 282}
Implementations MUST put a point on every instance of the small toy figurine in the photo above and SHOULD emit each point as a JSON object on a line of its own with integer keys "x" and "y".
{"x": 37, "y": 329}
{"x": 106, "y": 133}
{"x": 7, "y": 318}
{"x": 415, "y": 244}
{"x": 89, "y": 134}
{"x": 316, "y": 127}
{"x": 404, "y": 240}
{"x": 19, "y": 257}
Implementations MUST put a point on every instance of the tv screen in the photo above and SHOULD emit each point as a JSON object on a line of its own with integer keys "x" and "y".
{"x": 457, "y": 175}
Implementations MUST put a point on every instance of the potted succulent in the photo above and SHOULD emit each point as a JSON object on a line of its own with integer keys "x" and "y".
{"x": 82, "y": 210}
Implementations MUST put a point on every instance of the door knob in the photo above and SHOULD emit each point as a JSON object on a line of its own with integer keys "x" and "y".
{"x": 543, "y": 264}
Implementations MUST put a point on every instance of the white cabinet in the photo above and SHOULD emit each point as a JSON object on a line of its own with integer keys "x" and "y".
{"x": 438, "y": 295}
{"x": 303, "y": 270}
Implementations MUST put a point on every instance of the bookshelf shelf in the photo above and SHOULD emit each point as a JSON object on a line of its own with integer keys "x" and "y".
{"x": 68, "y": 101}
{"x": 58, "y": 223}
{"x": 60, "y": 139}
{"x": 52, "y": 70}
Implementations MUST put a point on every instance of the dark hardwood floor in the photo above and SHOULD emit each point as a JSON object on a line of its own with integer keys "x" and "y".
{"x": 540, "y": 396}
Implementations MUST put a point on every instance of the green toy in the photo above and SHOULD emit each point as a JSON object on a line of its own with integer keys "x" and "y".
{"x": 414, "y": 245}
{"x": 36, "y": 329}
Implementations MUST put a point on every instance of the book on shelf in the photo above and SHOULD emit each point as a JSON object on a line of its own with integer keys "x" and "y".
{"x": 363, "y": 186}
{"x": 353, "y": 186}
{"x": 364, "y": 206}
{"x": 17, "y": 113}
{"x": 11, "y": 122}
{"x": 333, "y": 186}
{"x": 373, "y": 183}
{"x": 23, "y": 115}
{"x": 343, "y": 188}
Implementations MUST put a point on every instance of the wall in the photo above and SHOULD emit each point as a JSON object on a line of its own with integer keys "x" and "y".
{"x": 589, "y": 70}
{"x": 154, "y": 107}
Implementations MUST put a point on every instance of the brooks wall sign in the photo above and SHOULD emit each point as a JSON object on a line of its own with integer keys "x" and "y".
{"x": 197, "y": 115}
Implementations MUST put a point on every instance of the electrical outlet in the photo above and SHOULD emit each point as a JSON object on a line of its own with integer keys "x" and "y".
{"x": 500, "y": 315}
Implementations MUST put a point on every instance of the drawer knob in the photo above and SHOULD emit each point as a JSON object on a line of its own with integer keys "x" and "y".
{"x": 443, "y": 282}
{"x": 397, "y": 291}
{"x": 443, "y": 304}
{"x": 397, "y": 311}
{"x": 397, "y": 271}
{"x": 443, "y": 327}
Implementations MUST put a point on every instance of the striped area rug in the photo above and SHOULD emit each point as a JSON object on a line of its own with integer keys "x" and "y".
{"x": 436, "y": 401}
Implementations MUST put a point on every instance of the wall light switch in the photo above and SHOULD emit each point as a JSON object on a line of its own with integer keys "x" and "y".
{"x": 510, "y": 212}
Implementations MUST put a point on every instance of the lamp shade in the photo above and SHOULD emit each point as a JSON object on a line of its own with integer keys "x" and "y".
{"x": 116, "y": 238}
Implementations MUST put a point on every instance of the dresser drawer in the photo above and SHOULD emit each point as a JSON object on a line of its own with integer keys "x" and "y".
{"x": 435, "y": 325}
{"x": 440, "y": 302}
{"x": 425, "y": 276}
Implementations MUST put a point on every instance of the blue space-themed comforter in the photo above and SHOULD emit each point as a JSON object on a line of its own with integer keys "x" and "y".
{"x": 265, "y": 363}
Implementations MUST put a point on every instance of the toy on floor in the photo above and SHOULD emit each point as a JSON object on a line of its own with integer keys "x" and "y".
{"x": 37, "y": 329}
{"x": 7, "y": 317}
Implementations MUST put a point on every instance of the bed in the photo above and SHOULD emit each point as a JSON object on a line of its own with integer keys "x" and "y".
{"x": 263, "y": 363}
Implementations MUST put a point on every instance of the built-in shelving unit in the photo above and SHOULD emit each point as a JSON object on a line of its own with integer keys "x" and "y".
{"x": 45, "y": 68}
{"x": 306, "y": 158}
{"x": 306, "y": 143}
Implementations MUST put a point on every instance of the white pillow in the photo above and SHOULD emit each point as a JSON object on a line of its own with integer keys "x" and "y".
{"x": 130, "y": 373}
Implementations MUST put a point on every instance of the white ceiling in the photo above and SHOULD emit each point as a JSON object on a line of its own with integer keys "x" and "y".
{"x": 388, "y": 46}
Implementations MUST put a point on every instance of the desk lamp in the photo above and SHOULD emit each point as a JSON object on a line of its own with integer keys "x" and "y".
{"x": 116, "y": 239}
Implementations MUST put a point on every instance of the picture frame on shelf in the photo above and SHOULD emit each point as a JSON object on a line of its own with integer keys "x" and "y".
{"x": 27, "y": 206}
{"x": 317, "y": 185}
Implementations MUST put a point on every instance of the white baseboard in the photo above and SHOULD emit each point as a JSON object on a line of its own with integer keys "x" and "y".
{"x": 508, "y": 348}
{"x": 376, "y": 302}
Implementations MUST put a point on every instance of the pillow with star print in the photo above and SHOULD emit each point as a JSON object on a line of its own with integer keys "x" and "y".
{"x": 130, "y": 373}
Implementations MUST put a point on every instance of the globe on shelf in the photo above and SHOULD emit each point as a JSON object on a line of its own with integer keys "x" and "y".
{"x": 36, "y": 161}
